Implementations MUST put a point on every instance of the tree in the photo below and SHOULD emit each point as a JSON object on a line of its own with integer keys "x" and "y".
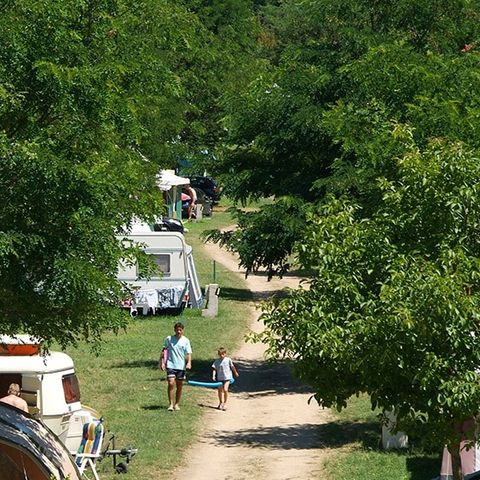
{"x": 278, "y": 224}
{"x": 339, "y": 71}
{"x": 223, "y": 62}
{"x": 87, "y": 88}
{"x": 393, "y": 307}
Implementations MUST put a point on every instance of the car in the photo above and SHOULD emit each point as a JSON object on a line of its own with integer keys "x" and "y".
{"x": 166, "y": 224}
{"x": 208, "y": 185}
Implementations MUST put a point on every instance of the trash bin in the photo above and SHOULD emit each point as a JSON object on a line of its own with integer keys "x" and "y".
{"x": 207, "y": 207}
{"x": 205, "y": 201}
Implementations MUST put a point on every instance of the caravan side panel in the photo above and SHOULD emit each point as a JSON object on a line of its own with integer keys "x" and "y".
{"x": 168, "y": 290}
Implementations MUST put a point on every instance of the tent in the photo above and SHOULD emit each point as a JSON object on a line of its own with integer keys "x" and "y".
{"x": 28, "y": 449}
{"x": 171, "y": 184}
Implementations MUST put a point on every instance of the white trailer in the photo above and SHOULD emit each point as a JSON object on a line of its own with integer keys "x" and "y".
{"x": 176, "y": 287}
{"x": 48, "y": 384}
{"x": 50, "y": 387}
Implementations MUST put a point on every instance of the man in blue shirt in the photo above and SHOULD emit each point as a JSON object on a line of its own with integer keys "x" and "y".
{"x": 176, "y": 359}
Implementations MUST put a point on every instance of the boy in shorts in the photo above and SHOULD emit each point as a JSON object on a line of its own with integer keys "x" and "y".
{"x": 223, "y": 371}
{"x": 176, "y": 358}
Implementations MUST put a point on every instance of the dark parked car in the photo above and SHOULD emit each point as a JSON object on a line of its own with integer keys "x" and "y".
{"x": 208, "y": 185}
{"x": 167, "y": 224}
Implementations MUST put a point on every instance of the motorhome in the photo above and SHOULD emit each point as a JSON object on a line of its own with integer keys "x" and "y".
{"x": 176, "y": 286}
{"x": 48, "y": 384}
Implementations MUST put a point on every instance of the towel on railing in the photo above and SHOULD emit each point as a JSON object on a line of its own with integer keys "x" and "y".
{"x": 170, "y": 297}
{"x": 149, "y": 297}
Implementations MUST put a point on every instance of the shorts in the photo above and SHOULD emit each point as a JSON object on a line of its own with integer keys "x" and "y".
{"x": 225, "y": 381}
{"x": 177, "y": 374}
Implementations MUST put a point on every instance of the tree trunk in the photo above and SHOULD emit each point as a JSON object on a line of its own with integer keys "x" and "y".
{"x": 456, "y": 462}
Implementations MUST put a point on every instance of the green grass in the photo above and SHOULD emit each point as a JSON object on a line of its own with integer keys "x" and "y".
{"x": 251, "y": 204}
{"x": 124, "y": 384}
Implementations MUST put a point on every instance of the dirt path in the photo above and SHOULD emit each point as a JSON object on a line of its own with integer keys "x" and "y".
{"x": 269, "y": 431}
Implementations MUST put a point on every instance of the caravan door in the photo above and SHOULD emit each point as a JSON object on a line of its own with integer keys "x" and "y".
{"x": 195, "y": 291}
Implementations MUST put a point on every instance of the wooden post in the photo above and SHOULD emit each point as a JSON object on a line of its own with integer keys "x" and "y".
{"x": 211, "y": 308}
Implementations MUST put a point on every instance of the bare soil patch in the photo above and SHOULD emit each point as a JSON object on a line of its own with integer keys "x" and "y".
{"x": 269, "y": 430}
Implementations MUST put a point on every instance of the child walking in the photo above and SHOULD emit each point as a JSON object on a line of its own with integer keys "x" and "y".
{"x": 222, "y": 370}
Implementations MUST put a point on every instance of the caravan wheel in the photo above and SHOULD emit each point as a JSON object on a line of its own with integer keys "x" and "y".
{"x": 121, "y": 468}
{"x": 178, "y": 311}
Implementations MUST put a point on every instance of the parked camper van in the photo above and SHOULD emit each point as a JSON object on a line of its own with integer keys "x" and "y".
{"x": 177, "y": 287}
{"x": 48, "y": 384}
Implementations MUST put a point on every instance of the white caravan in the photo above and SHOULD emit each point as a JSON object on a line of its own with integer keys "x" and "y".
{"x": 48, "y": 384}
{"x": 177, "y": 287}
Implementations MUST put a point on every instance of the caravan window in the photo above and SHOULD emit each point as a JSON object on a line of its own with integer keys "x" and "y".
{"x": 163, "y": 262}
{"x": 71, "y": 388}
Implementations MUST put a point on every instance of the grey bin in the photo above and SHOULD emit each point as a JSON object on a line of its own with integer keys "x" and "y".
{"x": 205, "y": 201}
{"x": 207, "y": 207}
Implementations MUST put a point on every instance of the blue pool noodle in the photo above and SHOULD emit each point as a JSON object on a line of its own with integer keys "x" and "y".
{"x": 194, "y": 383}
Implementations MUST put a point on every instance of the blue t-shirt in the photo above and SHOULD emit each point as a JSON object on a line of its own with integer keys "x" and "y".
{"x": 177, "y": 348}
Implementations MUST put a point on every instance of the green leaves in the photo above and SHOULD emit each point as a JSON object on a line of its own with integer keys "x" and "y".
{"x": 88, "y": 90}
{"x": 393, "y": 307}
{"x": 369, "y": 114}
{"x": 264, "y": 239}
{"x": 75, "y": 81}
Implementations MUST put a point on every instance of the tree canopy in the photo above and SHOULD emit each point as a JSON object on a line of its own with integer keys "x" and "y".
{"x": 393, "y": 307}
{"x": 368, "y": 115}
{"x": 339, "y": 73}
{"x": 95, "y": 96}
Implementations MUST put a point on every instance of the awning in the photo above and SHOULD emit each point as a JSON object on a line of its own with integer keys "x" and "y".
{"x": 167, "y": 179}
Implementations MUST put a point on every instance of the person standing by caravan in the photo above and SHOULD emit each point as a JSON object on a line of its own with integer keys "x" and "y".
{"x": 13, "y": 397}
{"x": 190, "y": 191}
{"x": 176, "y": 358}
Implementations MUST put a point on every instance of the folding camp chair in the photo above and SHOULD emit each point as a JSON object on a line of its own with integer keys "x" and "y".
{"x": 90, "y": 448}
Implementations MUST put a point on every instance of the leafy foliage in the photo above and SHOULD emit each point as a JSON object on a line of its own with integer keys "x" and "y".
{"x": 87, "y": 88}
{"x": 279, "y": 225}
{"x": 341, "y": 74}
{"x": 393, "y": 307}
{"x": 378, "y": 103}
{"x": 223, "y": 62}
